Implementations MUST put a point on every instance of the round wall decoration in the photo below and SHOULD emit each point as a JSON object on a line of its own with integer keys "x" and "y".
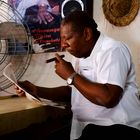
{"x": 70, "y": 6}
{"x": 120, "y": 12}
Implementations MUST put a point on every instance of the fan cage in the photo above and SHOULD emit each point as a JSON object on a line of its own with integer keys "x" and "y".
{"x": 15, "y": 43}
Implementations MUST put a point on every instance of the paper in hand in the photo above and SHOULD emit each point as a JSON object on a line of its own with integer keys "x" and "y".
{"x": 9, "y": 73}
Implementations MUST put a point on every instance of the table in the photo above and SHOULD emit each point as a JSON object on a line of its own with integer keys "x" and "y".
{"x": 17, "y": 113}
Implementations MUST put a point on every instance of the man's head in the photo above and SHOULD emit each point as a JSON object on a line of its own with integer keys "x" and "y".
{"x": 78, "y": 33}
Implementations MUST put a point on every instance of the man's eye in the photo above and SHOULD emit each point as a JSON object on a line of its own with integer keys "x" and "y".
{"x": 68, "y": 37}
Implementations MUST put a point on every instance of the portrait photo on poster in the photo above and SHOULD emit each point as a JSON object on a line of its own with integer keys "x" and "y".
{"x": 43, "y": 18}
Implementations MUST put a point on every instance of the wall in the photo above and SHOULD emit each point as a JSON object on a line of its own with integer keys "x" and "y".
{"x": 43, "y": 74}
{"x": 129, "y": 34}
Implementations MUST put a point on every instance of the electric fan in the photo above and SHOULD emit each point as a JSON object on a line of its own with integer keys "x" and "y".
{"x": 15, "y": 43}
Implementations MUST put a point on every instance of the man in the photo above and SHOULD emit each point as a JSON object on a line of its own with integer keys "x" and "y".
{"x": 101, "y": 82}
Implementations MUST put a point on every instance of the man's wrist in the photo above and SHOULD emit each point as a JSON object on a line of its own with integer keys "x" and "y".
{"x": 70, "y": 79}
{"x": 42, "y": 5}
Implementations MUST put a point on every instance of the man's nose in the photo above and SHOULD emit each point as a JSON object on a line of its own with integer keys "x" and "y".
{"x": 64, "y": 45}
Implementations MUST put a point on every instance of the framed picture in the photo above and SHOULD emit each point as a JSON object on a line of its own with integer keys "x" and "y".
{"x": 43, "y": 18}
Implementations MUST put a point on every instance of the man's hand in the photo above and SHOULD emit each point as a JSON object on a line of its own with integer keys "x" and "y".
{"x": 19, "y": 91}
{"x": 56, "y": 10}
{"x": 28, "y": 86}
{"x": 63, "y": 68}
{"x": 43, "y": 15}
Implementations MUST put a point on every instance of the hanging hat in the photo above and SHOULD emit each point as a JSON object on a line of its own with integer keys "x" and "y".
{"x": 120, "y": 12}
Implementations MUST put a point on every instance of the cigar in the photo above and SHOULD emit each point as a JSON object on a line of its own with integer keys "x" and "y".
{"x": 54, "y": 59}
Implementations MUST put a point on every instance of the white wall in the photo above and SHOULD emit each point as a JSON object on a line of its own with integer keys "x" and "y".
{"x": 129, "y": 34}
{"x": 43, "y": 74}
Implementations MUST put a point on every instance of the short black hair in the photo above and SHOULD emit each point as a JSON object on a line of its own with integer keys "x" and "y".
{"x": 79, "y": 20}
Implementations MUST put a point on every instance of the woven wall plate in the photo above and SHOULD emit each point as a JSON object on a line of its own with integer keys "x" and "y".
{"x": 120, "y": 12}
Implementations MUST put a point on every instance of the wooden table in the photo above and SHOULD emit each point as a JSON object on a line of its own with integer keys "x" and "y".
{"x": 17, "y": 113}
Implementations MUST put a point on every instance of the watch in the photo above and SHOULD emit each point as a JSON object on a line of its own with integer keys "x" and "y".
{"x": 71, "y": 78}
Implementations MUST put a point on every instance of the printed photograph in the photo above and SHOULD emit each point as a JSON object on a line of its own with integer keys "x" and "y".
{"x": 43, "y": 18}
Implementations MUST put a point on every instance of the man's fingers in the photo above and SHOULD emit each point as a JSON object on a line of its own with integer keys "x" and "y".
{"x": 49, "y": 17}
{"x": 59, "y": 57}
{"x": 19, "y": 91}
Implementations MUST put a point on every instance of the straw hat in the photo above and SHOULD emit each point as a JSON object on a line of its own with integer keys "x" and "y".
{"x": 120, "y": 12}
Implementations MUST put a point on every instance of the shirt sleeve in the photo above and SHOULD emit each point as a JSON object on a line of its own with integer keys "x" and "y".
{"x": 114, "y": 66}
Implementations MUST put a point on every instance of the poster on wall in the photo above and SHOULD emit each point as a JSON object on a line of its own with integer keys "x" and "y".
{"x": 43, "y": 18}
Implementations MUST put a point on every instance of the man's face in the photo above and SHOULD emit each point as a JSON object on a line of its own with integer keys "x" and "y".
{"x": 71, "y": 41}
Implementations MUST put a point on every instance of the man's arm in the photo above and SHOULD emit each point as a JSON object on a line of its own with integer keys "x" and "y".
{"x": 62, "y": 93}
{"x": 101, "y": 94}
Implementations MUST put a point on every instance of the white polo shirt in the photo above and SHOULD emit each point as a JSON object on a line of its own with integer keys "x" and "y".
{"x": 110, "y": 62}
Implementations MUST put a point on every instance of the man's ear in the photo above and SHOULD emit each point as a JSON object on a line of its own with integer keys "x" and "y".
{"x": 87, "y": 34}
